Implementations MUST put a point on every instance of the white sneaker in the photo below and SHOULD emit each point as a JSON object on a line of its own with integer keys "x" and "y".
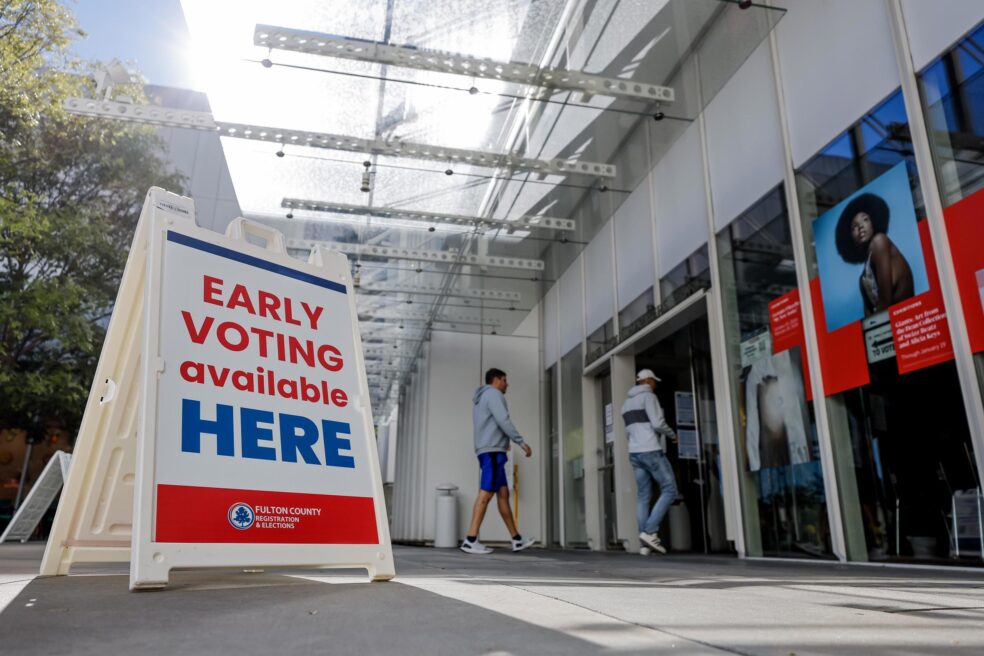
{"x": 645, "y": 551}
{"x": 651, "y": 540}
{"x": 475, "y": 547}
{"x": 519, "y": 545}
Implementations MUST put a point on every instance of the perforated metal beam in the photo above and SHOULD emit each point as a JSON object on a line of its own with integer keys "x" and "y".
{"x": 520, "y": 223}
{"x": 389, "y": 342}
{"x": 435, "y": 290}
{"x": 371, "y": 351}
{"x": 418, "y": 254}
{"x": 152, "y": 114}
{"x": 418, "y": 316}
{"x": 396, "y": 148}
{"x": 329, "y": 45}
{"x": 164, "y": 116}
{"x": 205, "y": 121}
{"x": 388, "y": 357}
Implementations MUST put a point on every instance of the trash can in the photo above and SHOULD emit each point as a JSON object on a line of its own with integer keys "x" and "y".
{"x": 446, "y": 517}
{"x": 679, "y": 520}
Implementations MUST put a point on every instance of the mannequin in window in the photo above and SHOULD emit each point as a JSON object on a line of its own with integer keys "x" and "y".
{"x": 776, "y": 420}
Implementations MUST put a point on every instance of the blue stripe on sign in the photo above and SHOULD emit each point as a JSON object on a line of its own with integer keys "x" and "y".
{"x": 635, "y": 417}
{"x": 222, "y": 251}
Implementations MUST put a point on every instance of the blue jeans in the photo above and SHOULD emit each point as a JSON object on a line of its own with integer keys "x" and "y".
{"x": 648, "y": 466}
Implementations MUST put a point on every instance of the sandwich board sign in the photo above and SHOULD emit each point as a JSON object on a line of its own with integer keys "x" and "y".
{"x": 39, "y": 499}
{"x": 230, "y": 413}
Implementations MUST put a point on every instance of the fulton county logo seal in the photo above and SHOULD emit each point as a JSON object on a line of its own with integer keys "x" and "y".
{"x": 241, "y": 516}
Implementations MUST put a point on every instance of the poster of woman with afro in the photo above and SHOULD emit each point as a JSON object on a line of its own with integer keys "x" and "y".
{"x": 868, "y": 250}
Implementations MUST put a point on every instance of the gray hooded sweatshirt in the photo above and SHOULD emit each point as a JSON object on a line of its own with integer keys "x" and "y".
{"x": 644, "y": 420}
{"x": 490, "y": 417}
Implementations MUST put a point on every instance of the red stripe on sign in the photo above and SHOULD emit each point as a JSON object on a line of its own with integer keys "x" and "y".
{"x": 211, "y": 514}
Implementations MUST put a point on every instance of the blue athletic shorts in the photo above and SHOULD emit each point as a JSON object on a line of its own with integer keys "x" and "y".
{"x": 493, "y": 467}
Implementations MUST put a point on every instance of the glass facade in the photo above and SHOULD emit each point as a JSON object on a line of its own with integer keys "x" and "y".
{"x": 601, "y": 340}
{"x": 636, "y": 314}
{"x": 899, "y": 432}
{"x": 572, "y": 444}
{"x": 684, "y": 279}
{"x": 879, "y": 463}
{"x": 780, "y": 474}
{"x": 952, "y": 89}
{"x": 953, "y": 92}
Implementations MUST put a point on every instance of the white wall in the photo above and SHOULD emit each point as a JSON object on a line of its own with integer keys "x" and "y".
{"x": 571, "y": 307}
{"x": 530, "y": 326}
{"x": 635, "y": 267}
{"x": 744, "y": 146}
{"x": 599, "y": 302}
{"x": 935, "y": 26}
{"x": 551, "y": 331}
{"x": 444, "y": 451}
{"x": 198, "y": 156}
{"x": 680, "y": 201}
{"x": 408, "y": 492}
{"x": 838, "y": 61}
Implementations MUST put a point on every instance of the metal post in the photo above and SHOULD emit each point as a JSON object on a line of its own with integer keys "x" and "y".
{"x": 700, "y": 444}
{"x": 23, "y": 477}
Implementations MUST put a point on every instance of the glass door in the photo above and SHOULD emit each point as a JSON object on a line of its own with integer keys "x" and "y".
{"x": 607, "y": 467}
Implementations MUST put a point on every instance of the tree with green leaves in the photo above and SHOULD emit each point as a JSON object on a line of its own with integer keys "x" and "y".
{"x": 71, "y": 189}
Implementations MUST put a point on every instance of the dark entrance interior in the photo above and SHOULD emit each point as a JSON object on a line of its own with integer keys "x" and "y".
{"x": 682, "y": 359}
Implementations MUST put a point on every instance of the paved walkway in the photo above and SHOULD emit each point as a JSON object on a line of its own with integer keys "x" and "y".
{"x": 539, "y": 602}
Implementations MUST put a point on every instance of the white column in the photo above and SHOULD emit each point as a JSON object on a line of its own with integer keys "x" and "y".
{"x": 593, "y": 457}
{"x": 806, "y": 307}
{"x": 623, "y": 377}
{"x": 734, "y": 527}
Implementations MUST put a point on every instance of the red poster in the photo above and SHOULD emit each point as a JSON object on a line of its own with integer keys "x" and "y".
{"x": 843, "y": 362}
{"x": 786, "y": 321}
{"x": 965, "y": 229}
{"x": 919, "y": 326}
{"x": 786, "y": 325}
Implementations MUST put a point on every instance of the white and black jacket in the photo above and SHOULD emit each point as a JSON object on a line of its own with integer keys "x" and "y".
{"x": 644, "y": 420}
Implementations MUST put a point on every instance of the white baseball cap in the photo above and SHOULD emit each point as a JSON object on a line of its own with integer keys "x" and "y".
{"x": 645, "y": 374}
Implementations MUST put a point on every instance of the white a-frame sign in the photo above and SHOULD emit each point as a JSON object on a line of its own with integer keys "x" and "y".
{"x": 229, "y": 421}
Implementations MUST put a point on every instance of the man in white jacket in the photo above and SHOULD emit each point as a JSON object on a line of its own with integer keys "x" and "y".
{"x": 644, "y": 425}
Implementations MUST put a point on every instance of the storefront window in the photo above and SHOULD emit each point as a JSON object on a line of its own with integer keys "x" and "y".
{"x": 601, "y": 341}
{"x": 953, "y": 95}
{"x": 637, "y": 314}
{"x": 782, "y": 488}
{"x": 572, "y": 423}
{"x": 691, "y": 275}
{"x": 901, "y": 445}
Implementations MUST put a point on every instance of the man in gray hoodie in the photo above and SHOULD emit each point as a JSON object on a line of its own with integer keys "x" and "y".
{"x": 493, "y": 431}
{"x": 646, "y": 428}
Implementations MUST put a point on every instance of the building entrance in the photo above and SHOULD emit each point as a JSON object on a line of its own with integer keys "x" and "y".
{"x": 695, "y": 522}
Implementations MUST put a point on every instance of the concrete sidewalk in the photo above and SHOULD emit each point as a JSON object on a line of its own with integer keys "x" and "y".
{"x": 538, "y": 602}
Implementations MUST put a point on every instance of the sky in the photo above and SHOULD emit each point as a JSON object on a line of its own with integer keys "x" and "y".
{"x": 150, "y": 34}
